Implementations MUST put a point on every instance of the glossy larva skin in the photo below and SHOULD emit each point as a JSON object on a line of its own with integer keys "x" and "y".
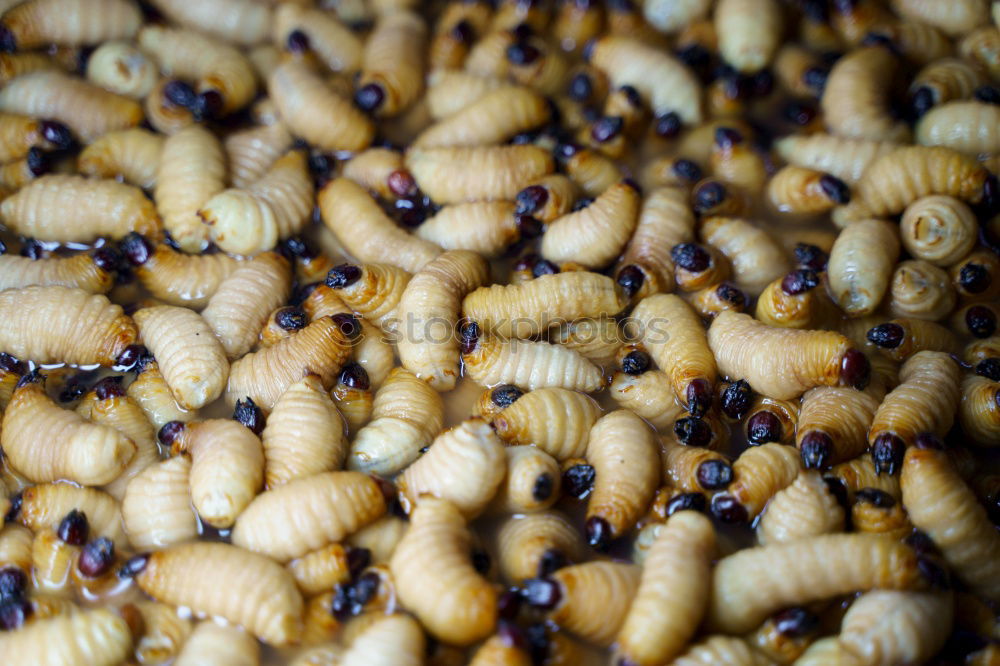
{"x": 304, "y": 434}
{"x": 843, "y": 414}
{"x": 13, "y": 65}
{"x": 435, "y": 579}
{"x": 390, "y": 640}
{"x": 595, "y": 235}
{"x": 451, "y": 90}
{"x": 464, "y": 465}
{"x": 315, "y": 112}
{"x": 760, "y": 472}
{"x": 376, "y": 294}
{"x": 96, "y": 208}
{"x": 796, "y": 189}
{"x": 980, "y": 47}
{"x": 131, "y": 154}
{"x": 486, "y": 227}
{"x": 224, "y": 645}
{"x": 529, "y": 365}
{"x": 242, "y": 302}
{"x": 333, "y": 42}
{"x": 99, "y": 637}
{"x": 596, "y": 597}
{"x": 665, "y": 220}
{"x": 448, "y": 47}
{"x": 722, "y": 650}
{"x": 842, "y": 157}
{"x": 810, "y": 309}
{"x": 320, "y": 569}
{"x": 888, "y": 626}
{"x": 192, "y": 360}
{"x": 502, "y": 171}
{"x": 967, "y": 126}
{"x": 393, "y": 59}
{"x": 88, "y": 110}
{"x": 921, "y": 290}
{"x": 524, "y": 542}
{"x": 756, "y": 257}
{"x": 749, "y": 32}
{"x": 556, "y": 420}
{"x": 920, "y": 335}
{"x": 537, "y": 304}
{"x": 354, "y": 405}
{"x": 532, "y": 482}
{"x": 649, "y": 395}
{"x": 855, "y": 99}
{"x": 227, "y": 468}
{"x": 123, "y": 69}
{"x": 940, "y": 504}
{"x": 206, "y": 577}
{"x": 380, "y": 537}
{"x": 192, "y": 170}
{"x": 955, "y": 18}
{"x": 240, "y": 21}
{"x": 79, "y": 271}
{"x": 861, "y": 265}
{"x": 406, "y": 416}
{"x": 44, "y": 505}
{"x": 18, "y": 133}
{"x": 592, "y": 171}
{"x": 47, "y": 443}
{"x": 163, "y": 115}
{"x": 15, "y": 547}
{"x": 163, "y": 634}
{"x": 597, "y": 340}
{"x": 949, "y": 79}
{"x": 251, "y": 152}
{"x": 154, "y": 397}
{"x": 787, "y": 574}
{"x": 372, "y": 168}
{"x": 889, "y": 521}
{"x": 680, "y": 464}
{"x": 939, "y": 229}
{"x": 156, "y": 509}
{"x": 926, "y": 399}
{"x": 328, "y": 506}
{"x": 343, "y": 203}
{"x": 860, "y": 473}
{"x": 499, "y": 651}
{"x": 673, "y": 591}
{"x": 70, "y": 22}
{"x": 493, "y": 118}
{"x": 803, "y": 510}
{"x": 979, "y": 412}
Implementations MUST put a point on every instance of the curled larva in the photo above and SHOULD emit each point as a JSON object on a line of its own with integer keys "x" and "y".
{"x": 861, "y": 265}
{"x": 373, "y": 290}
{"x": 328, "y": 507}
{"x": 833, "y": 425}
{"x": 354, "y": 397}
{"x": 464, "y": 465}
{"x": 537, "y": 544}
{"x": 206, "y": 576}
{"x": 281, "y": 323}
{"x": 842, "y": 157}
{"x": 20, "y": 133}
{"x": 333, "y": 42}
{"x": 243, "y": 300}
{"x": 803, "y": 510}
{"x": 321, "y": 569}
{"x": 925, "y": 401}
{"x": 314, "y": 111}
{"x": 855, "y": 99}
{"x": 771, "y": 420}
{"x": 780, "y": 362}
{"x": 532, "y": 482}
{"x": 940, "y": 504}
{"x": 759, "y": 473}
{"x": 673, "y": 591}
{"x": 938, "y": 229}
{"x": 921, "y": 290}
{"x": 454, "y": 29}
{"x": 486, "y": 227}
{"x": 406, "y": 416}
{"x": 756, "y": 257}
{"x": 392, "y": 64}
{"x": 123, "y": 69}
{"x": 131, "y": 155}
{"x": 150, "y": 391}
{"x": 45, "y": 505}
{"x": 797, "y": 300}
{"x": 493, "y": 118}
{"x": 979, "y": 412}
{"x": 555, "y": 420}
{"x": 192, "y": 170}
{"x": 163, "y": 633}
{"x": 99, "y": 637}
{"x": 966, "y": 126}
{"x": 978, "y": 320}
{"x": 527, "y": 309}
{"x": 86, "y": 109}
{"x": 227, "y": 466}
{"x": 435, "y": 577}
{"x": 975, "y": 352}
{"x": 795, "y": 189}
{"x": 39, "y": 23}
{"x": 903, "y": 337}
{"x": 90, "y": 272}
{"x": 251, "y": 152}
{"x": 221, "y": 644}
{"x": 649, "y": 394}
{"x": 501, "y": 171}
{"x": 67, "y": 209}
{"x": 428, "y": 312}
{"x": 52, "y": 563}
{"x": 156, "y": 509}
{"x": 304, "y": 434}
{"x": 162, "y": 114}
{"x": 591, "y": 171}
{"x": 859, "y": 473}
{"x": 893, "y": 627}
{"x": 343, "y": 203}
{"x": 596, "y": 234}
{"x": 878, "y": 512}
{"x": 190, "y": 357}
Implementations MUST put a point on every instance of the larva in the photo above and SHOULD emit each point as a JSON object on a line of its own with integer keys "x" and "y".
{"x": 39, "y": 23}
{"x": 380, "y": 170}
{"x": 15, "y": 547}
{"x": 373, "y": 290}
{"x": 594, "y": 235}
{"x": 903, "y": 337}
{"x": 213, "y": 643}
{"x": 243, "y": 300}
{"x": 13, "y": 65}
{"x": 841, "y": 157}
{"x": 328, "y": 505}
{"x": 123, "y": 69}
{"x": 938, "y": 229}
{"x": 91, "y": 272}
{"x": 597, "y": 340}
{"x": 493, "y": 118}
{"x": 97, "y": 208}
{"x": 281, "y": 323}
{"x": 315, "y": 112}
{"x": 406, "y": 416}
{"x": 878, "y": 512}
{"x": 499, "y": 650}
{"x": 691, "y": 467}
{"x": 803, "y": 510}
{"x": 921, "y": 290}
{"x": 980, "y": 47}
{"x": 164, "y": 631}
{"x": 192, "y": 360}
{"x": 591, "y": 171}
{"x": 321, "y": 569}
{"x": 755, "y": 256}
{"x": 20, "y": 133}
{"x": 855, "y": 98}
{"x": 150, "y": 391}
{"x": 749, "y": 33}
{"x": 861, "y": 265}
{"x": 486, "y": 227}
{"x": 978, "y": 320}
{"x": 979, "y": 411}
{"x": 966, "y": 126}
{"x": 944, "y": 80}
{"x": 304, "y": 434}
{"x": 241, "y": 21}
{"x": 204, "y": 577}
{"x": 796, "y": 189}
{"x": 227, "y": 466}
{"x": 833, "y": 425}
{"x": 502, "y": 171}
{"x": 759, "y": 473}
{"x": 672, "y": 17}
{"x": 162, "y": 114}
{"x": 556, "y": 420}
{"x": 131, "y": 155}
{"x": 455, "y": 28}
{"x": 955, "y": 19}
{"x": 99, "y": 637}
{"x": 332, "y": 42}
{"x": 940, "y": 504}
{"x": 392, "y": 64}
{"x": 429, "y": 309}
{"x": 649, "y": 394}
{"x": 251, "y": 152}
{"x": 342, "y": 202}
{"x": 156, "y": 509}
{"x": 464, "y": 465}
{"x": 451, "y": 90}
{"x": 525, "y": 310}
{"x": 797, "y": 300}
{"x": 390, "y": 640}
{"x": 859, "y": 473}
{"x": 436, "y": 580}
{"x": 52, "y": 563}
{"x": 771, "y": 420}
{"x": 353, "y": 396}
{"x": 536, "y": 544}
{"x": 380, "y": 538}
{"x": 86, "y": 109}
{"x": 888, "y": 626}
{"x": 45, "y": 505}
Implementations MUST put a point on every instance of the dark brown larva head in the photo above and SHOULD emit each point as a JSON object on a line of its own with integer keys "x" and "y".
{"x": 531, "y": 199}
{"x": 581, "y": 87}
{"x": 402, "y": 184}
{"x": 921, "y": 101}
{"x": 974, "y": 278}
{"x": 370, "y": 97}
{"x": 58, "y": 135}
{"x": 607, "y": 128}
{"x": 810, "y": 257}
{"x": 875, "y": 497}
{"x": 835, "y": 189}
{"x": 816, "y": 449}
{"x": 887, "y": 453}
{"x": 528, "y": 227}
{"x": 107, "y": 258}
{"x": 578, "y": 480}
{"x": 353, "y": 375}
{"x": 38, "y": 161}
{"x": 737, "y": 398}
{"x": 348, "y": 325}
{"x": 668, "y": 125}
{"x": 541, "y": 593}
{"x": 137, "y": 249}
{"x": 799, "y": 281}
{"x": 686, "y": 170}
{"x": 714, "y": 474}
{"x": 886, "y": 336}
{"x": 33, "y": 377}
{"x": 699, "y": 396}
{"x": 508, "y": 606}
{"x": 764, "y": 427}
{"x": 74, "y": 528}
{"x": 599, "y": 533}
{"x": 551, "y": 560}
{"x": 297, "y": 42}
{"x": 691, "y": 257}
{"x": 729, "y": 293}
{"x": 981, "y": 321}
{"x": 9, "y": 364}
{"x": 630, "y": 279}
{"x": 14, "y": 612}
{"x": 989, "y": 368}
{"x": 855, "y": 370}
{"x": 297, "y": 247}
{"x": 13, "y": 583}
{"x": 291, "y": 318}
{"x": 343, "y": 276}
{"x": 357, "y": 560}
{"x": 469, "y": 333}
{"x": 169, "y": 432}
{"x": 693, "y": 431}
{"x": 687, "y": 502}
{"x": 522, "y": 53}
{"x": 505, "y": 395}
{"x": 97, "y": 557}
{"x": 181, "y": 94}
{"x": 209, "y": 105}
{"x": 928, "y": 440}
{"x": 726, "y": 508}
{"x": 796, "y": 622}
{"x": 727, "y": 137}
{"x": 543, "y": 487}
{"x": 109, "y": 388}
{"x": 248, "y": 414}
{"x": 636, "y": 362}
{"x": 131, "y": 357}
{"x": 708, "y": 195}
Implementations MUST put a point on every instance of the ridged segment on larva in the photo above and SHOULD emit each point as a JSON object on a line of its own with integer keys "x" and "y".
{"x": 842, "y": 413}
{"x": 15, "y": 547}
{"x": 164, "y": 631}
{"x": 524, "y": 542}
{"x": 554, "y": 419}
{"x": 804, "y": 509}
{"x": 213, "y": 643}
{"x": 499, "y": 651}
{"x": 97, "y": 637}
{"x": 597, "y": 340}
{"x": 392, "y": 640}
{"x": 251, "y": 152}
{"x": 428, "y": 312}
{"x": 501, "y": 171}
{"x": 74, "y": 209}
{"x": 822, "y": 652}
{"x": 955, "y": 18}
{"x": 435, "y": 577}
{"x": 939, "y": 229}
{"x": 949, "y": 79}
{"x": 71, "y": 22}
{"x": 970, "y": 127}
{"x": 856, "y": 97}
{"x": 451, "y": 90}
{"x": 979, "y": 411}
{"x": 123, "y": 69}
{"x": 595, "y": 599}
{"x": 131, "y": 154}
{"x": 760, "y": 472}
{"x": 336, "y": 45}
{"x": 530, "y": 365}
{"x": 393, "y": 59}
{"x": 371, "y": 169}
{"x": 493, "y": 118}
{"x": 376, "y": 294}
{"x": 926, "y": 399}
{"x": 839, "y": 156}
{"x": 595, "y": 235}
{"x": 716, "y": 650}
{"x": 861, "y": 265}
{"x": 153, "y": 396}
{"x": 218, "y": 579}
{"x": 892, "y": 627}
{"x": 184, "y": 279}
{"x": 650, "y": 395}
{"x": 749, "y": 32}
{"x": 486, "y": 227}
{"x": 126, "y": 416}
{"x": 860, "y": 473}
{"x": 79, "y": 271}
{"x": 665, "y": 220}
{"x": 327, "y": 508}
{"x": 45, "y": 505}
{"x": 464, "y": 465}
{"x": 156, "y": 509}
{"x": 191, "y": 359}
{"x": 192, "y": 170}
{"x": 240, "y": 21}
{"x": 756, "y": 257}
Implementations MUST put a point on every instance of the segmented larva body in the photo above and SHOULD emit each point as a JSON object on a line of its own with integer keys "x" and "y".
{"x": 343, "y": 203}
{"x": 163, "y": 632}
{"x": 861, "y": 265}
{"x": 436, "y": 580}
{"x": 213, "y": 643}
{"x": 19, "y": 133}
{"x": 597, "y": 340}
{"x": 156, "y": 509}
{"x": 749, "y": 32}
{"x": 375, "y": 293}
{"x": 980, "y": 47}
{"x": 955, "y": 18}
{"x": 880, "y": 513}
{"x": 665, "y": 220}
{"x": 683, "y": 466}
{"x": 803, "y": 510}
{"x": 532, "y": 482}
{"x": 650, "y": 395}
{"x": 39, "y": 23}
{"x": 373, "y": 169}
{"x": 555, "y": 420}
{"x": 123, "y": 69}
{"x": 314, "y": 111}
{"x": 760, "y": 472}
{"x": 181, "y": 279}
{"x": 948, "y": 79}
{"x": 242, "y": 302}
{"x": 860, "y": 473}
{"x": 493, "y": 118}
{"x": 921, "y": 290}
{"x": 966, "y": 126}
{"x": 321, "y": 569}
{"x": 464, "y": 465}
{"x": 527, "y": 309}
{"x": 839, "y": 156}
{"x": 52, "y": 562}
{"x": 595, "y": 598}
{"x": 328, "y": 506}
{"x": 501, "y": 171}
{"x": 429, "y": 310}
{"x": 795, "y": 189}
{"x": 756, "y": 257}
{"x": 88, "y": 110}
{"x": 788, "y": 574}
{"x": 595, "y": 235}
{"x": 939, "y": 229}
{"x": 915, "y": 335}
{"x": 192, "y": 360}
{"x": 979, "y": 412}
{"x": 833, "y": 424}
{"x": 15, "y": 547}
{"x": 806, "y": 309}
{"x": 13, "y": 65}
{"x": 722, "y": 650}
{"x": 80, "y": 271}
{"x": 855, "y": 99}
{"x": 451, "y": 90}
{"x": 240, "y": 21}
{"x": 450, "y": 43}
{"x": 390, "y": 640}
{"x": 529, "y": 365}
{"x": 206, "y": 577}
{"x": 150, "y": 391}
{"x": 888, "y": 626}
{"x": 251, "y": 152}
{"x": 333, "y": 42}
{"x": 393, "y": 62}
{"x": 940, "y": 504}
{"x": 380, "y": 537}
{"x": 926, "y": 399}
{"x": 132, "y": 155}
{"x": 500, "y": 651}
{"x": 163, "y": 115}
{"x": 69, "y": 209}
{"x": 45, "y": 505}
{"x": 406, "y": 416}
{"x": 486, "y": 227}
{"x": 99, "y": 637}
{"x": 527, "y": 544}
